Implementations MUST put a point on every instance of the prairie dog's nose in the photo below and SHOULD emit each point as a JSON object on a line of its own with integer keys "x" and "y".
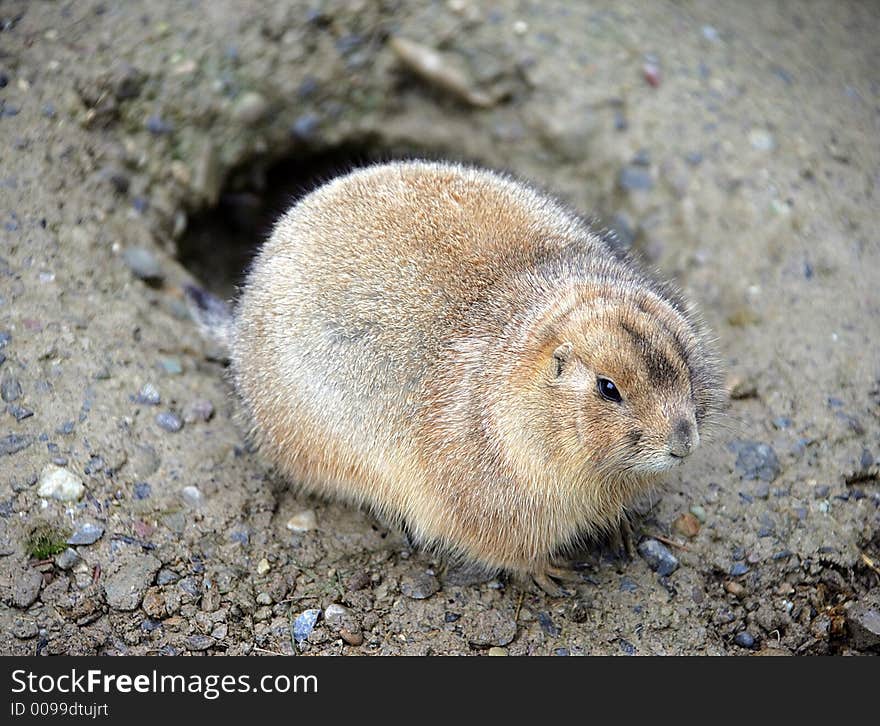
{"x": 684, "y": 438}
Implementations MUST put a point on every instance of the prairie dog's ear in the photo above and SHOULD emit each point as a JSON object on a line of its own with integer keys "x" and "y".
{"x": 561, "y": 357}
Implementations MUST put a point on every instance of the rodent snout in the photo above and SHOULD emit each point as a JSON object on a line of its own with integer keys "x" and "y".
{"x": 684, "y": 438}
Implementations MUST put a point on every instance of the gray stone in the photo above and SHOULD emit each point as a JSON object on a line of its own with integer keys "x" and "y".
{"x": 863, "y": 623}
{"x": 19, "y": 412}
{"x": 338, "y": 616}
{"x": 489, "y": 628}
{"x": 13, "y": 443}
{"x": 199, "y": 642}
{"x": 126, "y": 586}
{"x": 755, "y": 460}
{"x": 419, "y": 586}
{"x": 199, "y": 410}
{"x": 10, "y": 389}
{"x": 67, "y": 559}
{"x": 635, "y": 178}
{"x": 166, "y": 576}
{"x": 24, "y": 628}
{"x": 86, "y": 534}
{"x": 143, "y": 264}
{"x": 148, "y": 395}
{"x": 744, "y": 639}
{"x": 658, "y": 557}
{"x": 169, "y": 421}
{"x": 26, "y": 588}
{"x": 250, "y": 108}
{"x": 304, "y": 625}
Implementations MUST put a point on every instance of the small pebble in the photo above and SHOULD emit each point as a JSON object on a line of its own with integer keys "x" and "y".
{"x": 143, "y": 264}
{"x": 199, "y": 642}
{"x": 490, "y": 627}
{"x": 699, "y": 513}
{"x": 633, "y": 178}
{"x": 26, "y": 588}
{"x": 651, "y": 74}
{"x": 755, "y": 460}
{"x": 263, "y": 566}
{"x": 142, "y": 490}
{"x": 497, "y": 651}
{"x": 738, "y": 568}
{"x": 353, "y": 638}
{"x": 419, "y": 586}
{"x": 338, "y": 615}
{"x": 148, "y": 395}
{"x": 155, "y": 124}
{"x": 24, "y": 629}
{"x": 66, "y": 428}
{"x": 250, "y": 108}
{"x": 199, "y": 410}
{"x": 863, "y": 622}
{"x": 59, "y": 483}
{"x": 67, "y": 559}
{"x": 172, "y": 366}
{"x": 169, "y": 421}
{"x": 166, "y": 577}
{"x": 86, "y": 534}
{"x": 304, "y": 128}
{"x": 10, "y": 389}
{"x": 687, "y": 525}
{"x": 19, "y": 413}
{"x": 192, "y": 496}
{"x": 303, "y": 521}
{"x": 5, "y": 337}
{"x": 762, "y": 140}
{"x": 735, "y": 588}
{"x": 744, "y": 639}
{"x": 658, "y": 557}
{"x": 304, "y": 624}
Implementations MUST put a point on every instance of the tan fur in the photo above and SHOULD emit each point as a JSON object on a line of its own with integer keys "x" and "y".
{"x": 397, "y": 345}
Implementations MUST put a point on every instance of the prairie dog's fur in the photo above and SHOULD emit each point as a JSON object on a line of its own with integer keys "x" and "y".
{"x": 425, "y": 339}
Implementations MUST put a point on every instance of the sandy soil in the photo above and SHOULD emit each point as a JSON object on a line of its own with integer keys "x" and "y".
{"x": 735, "y": 150}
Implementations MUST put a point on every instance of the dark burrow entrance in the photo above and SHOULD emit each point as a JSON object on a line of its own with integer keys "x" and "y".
{"x": 221, "y": 240}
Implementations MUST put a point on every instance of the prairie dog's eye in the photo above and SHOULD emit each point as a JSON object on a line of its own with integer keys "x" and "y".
{"x": 608, "y": 390}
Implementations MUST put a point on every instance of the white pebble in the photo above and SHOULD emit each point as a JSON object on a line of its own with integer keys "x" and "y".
{"x": 303, "y": 522}
{"x": 192, "y": 496}
{"x": 60, "y": 483}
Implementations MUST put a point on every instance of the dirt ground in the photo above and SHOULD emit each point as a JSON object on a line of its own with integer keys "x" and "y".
{"x": 147, "y": 144}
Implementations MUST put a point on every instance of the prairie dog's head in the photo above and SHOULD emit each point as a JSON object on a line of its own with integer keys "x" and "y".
{"x": 633, "y": 385}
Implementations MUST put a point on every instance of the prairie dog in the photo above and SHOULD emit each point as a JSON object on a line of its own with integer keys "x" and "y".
{"x": 470, "y": 359}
